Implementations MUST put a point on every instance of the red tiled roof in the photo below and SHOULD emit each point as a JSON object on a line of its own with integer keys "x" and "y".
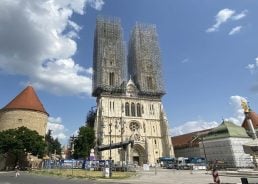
{"x": 28, "y": 100}
{"x": 185, "y": 140}
{"x": 254, "y": 117}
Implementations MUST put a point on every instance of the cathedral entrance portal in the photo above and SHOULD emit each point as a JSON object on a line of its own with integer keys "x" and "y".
{"x": 138, "y": 155}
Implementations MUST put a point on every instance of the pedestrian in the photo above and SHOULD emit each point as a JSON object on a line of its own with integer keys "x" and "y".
{"x": 17, "y": 173}
{"x": 215, "y": 173}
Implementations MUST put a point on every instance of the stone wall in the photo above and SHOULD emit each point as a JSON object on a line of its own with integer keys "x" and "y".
{"x": 148, "y": 130}
{"x": 228, "y": 150}
{"x": 33, "y": 120}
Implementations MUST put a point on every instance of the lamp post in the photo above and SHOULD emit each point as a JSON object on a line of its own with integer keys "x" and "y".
{"x": 110, "y": 158}
{"x": 122, "y": 134}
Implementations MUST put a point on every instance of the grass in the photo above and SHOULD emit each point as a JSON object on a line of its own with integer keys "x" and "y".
{"x": 80, "y": 173}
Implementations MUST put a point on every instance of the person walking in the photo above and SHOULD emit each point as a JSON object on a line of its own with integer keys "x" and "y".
{"x": 17, "y": 173}
{"x": 215, "y": 173}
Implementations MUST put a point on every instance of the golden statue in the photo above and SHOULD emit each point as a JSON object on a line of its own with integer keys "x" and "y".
{"x": 245, "y": 106}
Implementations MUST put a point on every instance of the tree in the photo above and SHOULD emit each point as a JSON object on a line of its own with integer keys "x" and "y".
{"x": 53, "y": 145}
{"x": 91, "y": 116}
{"x": 21, "y": 140}
{"x": 84, "y": 142}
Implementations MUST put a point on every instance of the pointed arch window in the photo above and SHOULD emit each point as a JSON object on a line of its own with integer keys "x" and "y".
{"x": 111, "y": 78}
{"x": 149, "y": 83}
{"x": 139, "y": 110}
{"x": 127, "y": 109}
{"x": 133, "y": 109}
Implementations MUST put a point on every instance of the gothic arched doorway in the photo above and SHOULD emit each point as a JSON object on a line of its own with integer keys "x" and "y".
{"x": 138, "y": 155}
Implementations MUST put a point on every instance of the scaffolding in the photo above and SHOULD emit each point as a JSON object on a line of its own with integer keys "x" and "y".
{"x": 109, "y": 69}
{"x": 144, "y": 61}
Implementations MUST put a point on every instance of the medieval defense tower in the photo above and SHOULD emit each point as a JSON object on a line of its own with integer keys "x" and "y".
{"x": 129, "y": 93}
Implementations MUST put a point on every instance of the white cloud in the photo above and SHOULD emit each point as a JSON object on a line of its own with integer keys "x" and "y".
{"x": 235, "y": 102}
{"x": 235, "y": 30}
{"x": 55, "y": 76}
{"x": 186, "y": 60}
{"x": 225, "y": 15}
{"x": 76, "y": 132}
{"x": 197, "y": 125}
{"x": 252, "y": 67}
{"x": 38, "y": 41}
{"x": 97, "y": 4}
{"x": 192, "y": 126}
{"x": 58, "y": 129}
{"x": 240, "y": 15}
{"x": 221, "y": 17}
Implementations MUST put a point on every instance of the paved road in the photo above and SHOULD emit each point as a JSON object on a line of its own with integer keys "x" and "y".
{"x": 26, "y": 178}
{"x": 163, "y": 176}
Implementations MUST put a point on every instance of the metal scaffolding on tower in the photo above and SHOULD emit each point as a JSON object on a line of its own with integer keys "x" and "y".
{"x": 144, "y": 61}
{"x": 109, "y": 68}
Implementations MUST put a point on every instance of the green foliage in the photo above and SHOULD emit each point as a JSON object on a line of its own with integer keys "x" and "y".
{"x": 53, "y": 145}
{"x": 91, "y": 116}
{"x": 84, "y": 142}
{"x": 20, "y": 140}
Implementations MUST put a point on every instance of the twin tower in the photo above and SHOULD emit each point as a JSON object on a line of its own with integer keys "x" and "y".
{"x": 111, "y": 65}
{"x": 129, "y": 90}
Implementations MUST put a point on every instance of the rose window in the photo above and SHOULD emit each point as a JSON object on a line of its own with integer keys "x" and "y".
{"x": 134, "y": 126}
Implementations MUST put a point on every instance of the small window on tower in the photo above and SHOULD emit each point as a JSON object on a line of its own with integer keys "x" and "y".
{"x": 111, "y": 78}
{"x": 149, "y": 83}
{"x": 20, "y": 120}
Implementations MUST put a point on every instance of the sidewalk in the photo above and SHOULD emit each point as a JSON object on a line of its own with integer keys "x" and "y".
{"x": 165, "y": 176}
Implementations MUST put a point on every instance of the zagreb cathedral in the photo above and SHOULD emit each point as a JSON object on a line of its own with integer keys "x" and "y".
{"x": 128, "y": 91}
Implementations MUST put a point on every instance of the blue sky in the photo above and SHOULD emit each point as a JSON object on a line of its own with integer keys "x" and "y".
{"x": 209, "y": 52}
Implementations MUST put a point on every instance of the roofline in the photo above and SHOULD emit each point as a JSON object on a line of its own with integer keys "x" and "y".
{"x": 15, "y": 109}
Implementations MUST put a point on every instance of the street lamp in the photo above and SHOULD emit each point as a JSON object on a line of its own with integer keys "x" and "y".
{"x": 110, "y": 158}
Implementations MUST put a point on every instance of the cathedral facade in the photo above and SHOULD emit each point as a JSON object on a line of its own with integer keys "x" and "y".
{"x": 129, "y": 91}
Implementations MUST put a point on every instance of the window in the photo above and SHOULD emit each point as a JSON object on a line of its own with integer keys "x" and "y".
{"x": 149, "y": 83}
{"x": 155, "y": 142}
{"x": 111, "y": 78}
{"x": 133, "y": 109}
{"x": 134, "y": 126}
{"x": 139, "y": 110}
{"x": 127, "y": 111}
